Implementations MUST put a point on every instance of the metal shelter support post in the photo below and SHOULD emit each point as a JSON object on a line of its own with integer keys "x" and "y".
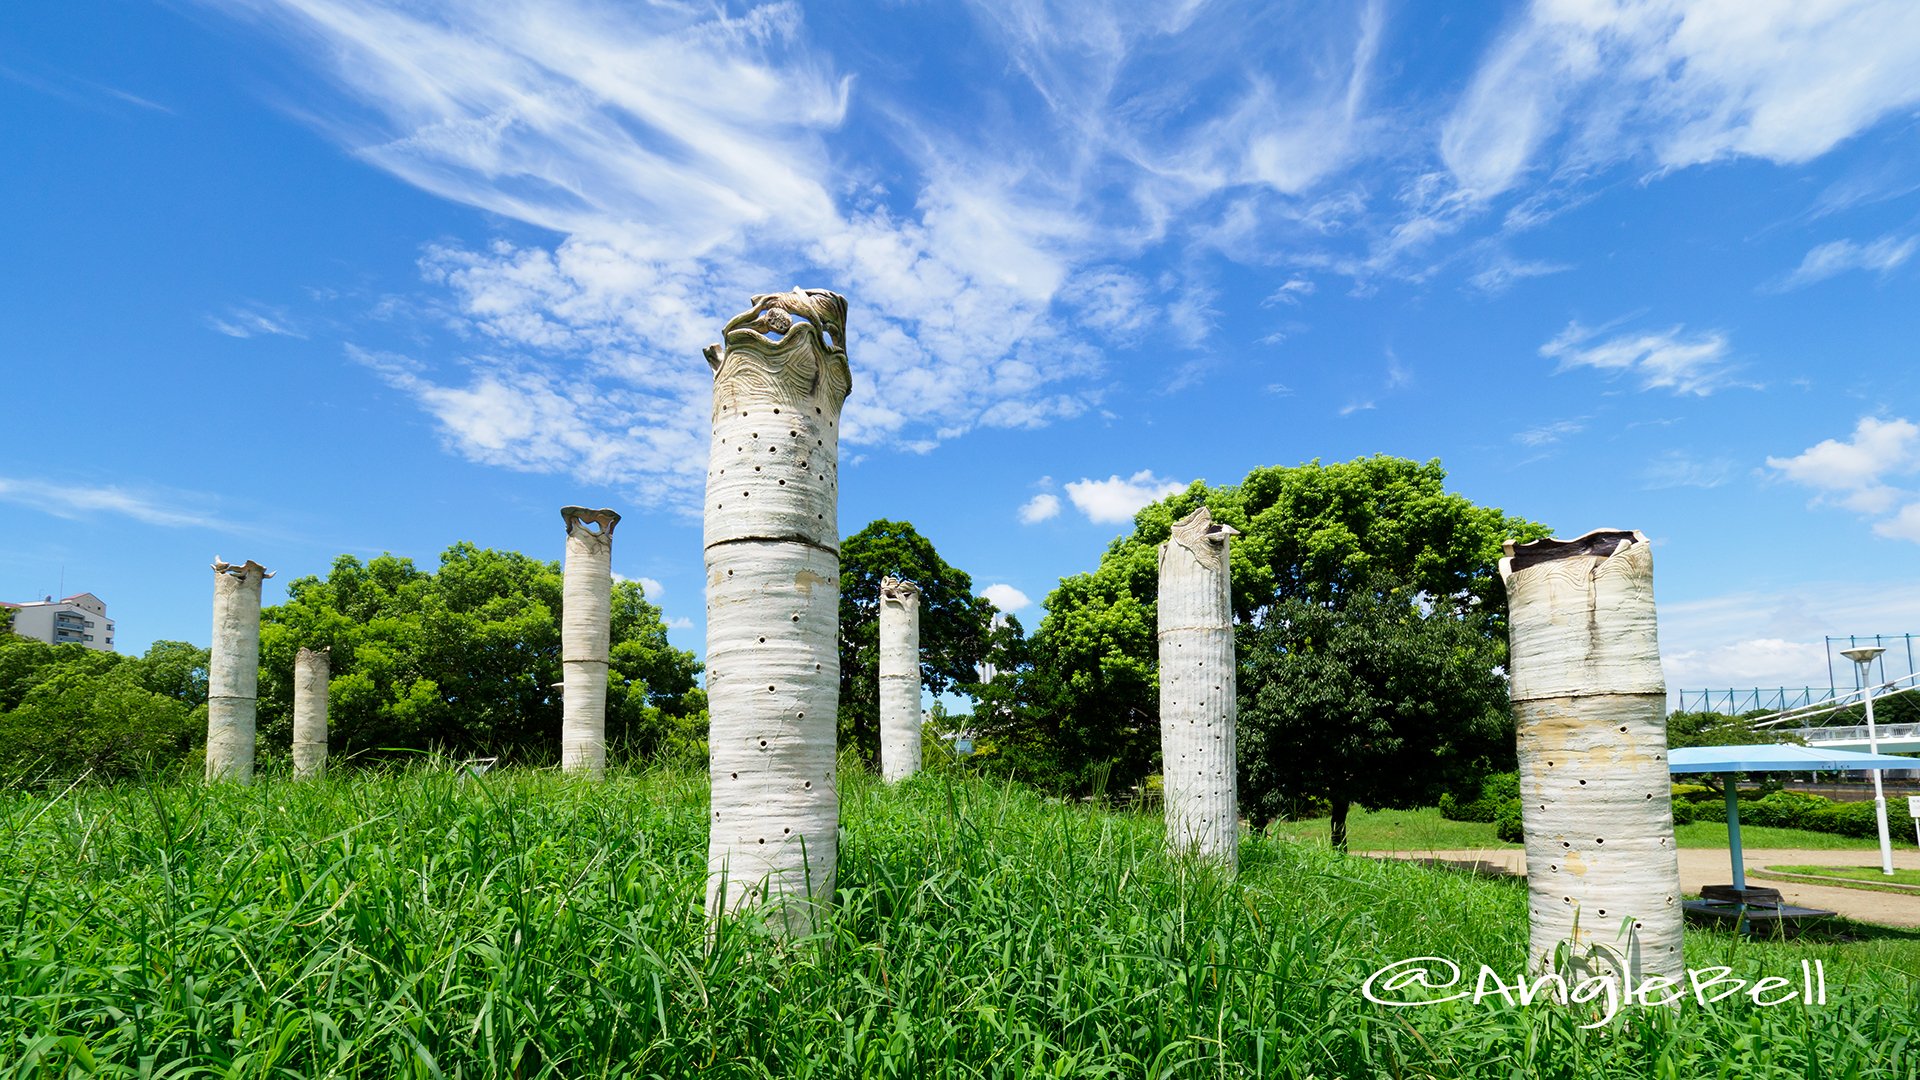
{"x": 1864, "y": 657}
{"x": 1729, "y": 781}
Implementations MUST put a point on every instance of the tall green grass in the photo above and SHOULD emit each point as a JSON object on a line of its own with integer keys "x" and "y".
{"x": 522, "y": 925}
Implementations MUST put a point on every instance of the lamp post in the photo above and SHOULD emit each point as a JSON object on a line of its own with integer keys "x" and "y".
{"x": 1864, "y": 657}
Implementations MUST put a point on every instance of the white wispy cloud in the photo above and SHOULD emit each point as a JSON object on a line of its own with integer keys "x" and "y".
{"x": 1773, "y": 637}
{"x": 1677, "y": 468}
{"x": 1686, "y": 364}
{"x": 76, "y": 501}
{"x": 248, "y": 322}
{"x": 1039, "y": 508}
{"x": 1006, "y": 597}
{"x": 1885, "y": 255}
{"x": 1115, "y": 500}
{"x": 1547, "y": 434}
{"x": 1570, "y": 87}
{"x": 1853, "y": 474}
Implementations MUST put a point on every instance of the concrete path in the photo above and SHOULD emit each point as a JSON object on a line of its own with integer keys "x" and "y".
{"x": 1714, "y": 866}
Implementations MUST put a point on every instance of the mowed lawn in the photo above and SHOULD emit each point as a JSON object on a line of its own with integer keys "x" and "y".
{"x": 1426, "y": 830}
{"x": 525, "y": 925}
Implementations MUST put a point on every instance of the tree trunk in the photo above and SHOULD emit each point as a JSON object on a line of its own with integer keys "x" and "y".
{"x": 1589, "y": 703}
{"x": 1197, "y": 695}
{"x": 233, "y": 670}
{"x": 311, "y": 671}
{"x": 1339, "y": 818}
{"x": 585, "y": 628}
{"x": 773, "y": 606}
{"x": 899, "y": 679}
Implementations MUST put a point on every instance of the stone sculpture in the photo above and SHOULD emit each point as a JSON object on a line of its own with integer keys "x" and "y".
{"x": 233, "y": 670}
{"x": 1198, "y": 707}
{"x": 773, "y": 605}
{"x": 311, "y": 670}
{"x": 899, "y": 678}
{"x": 585, "y": 630}
{"x": 1590, "y": 709}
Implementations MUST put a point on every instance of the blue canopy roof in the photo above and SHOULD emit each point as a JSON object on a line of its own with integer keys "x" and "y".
{"x": 1778, "y": 757}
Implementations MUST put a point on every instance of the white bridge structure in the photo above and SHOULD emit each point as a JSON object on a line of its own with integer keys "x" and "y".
{"x": 1808, "y": 712}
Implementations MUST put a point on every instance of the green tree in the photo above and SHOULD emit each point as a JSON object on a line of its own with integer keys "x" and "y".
{"x": 954, "y": 624}
{"x": 1381, "y": 700}
{"x": 1314, "y": 533}
{"x": 67, "y": 710}
{"x": 464, "y": 659}
{"x": 1716, "y": 729}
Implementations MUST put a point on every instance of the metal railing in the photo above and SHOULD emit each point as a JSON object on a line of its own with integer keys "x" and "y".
{"x": 1783, "y": 704}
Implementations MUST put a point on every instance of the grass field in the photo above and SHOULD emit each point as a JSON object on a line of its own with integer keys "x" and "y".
{"x": 525, "y": 926}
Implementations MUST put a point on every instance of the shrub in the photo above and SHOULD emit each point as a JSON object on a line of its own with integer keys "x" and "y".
{"x": 1507, "y": 826}
{"x": 1483, "y": 803}
{"x": 75, "y": 722}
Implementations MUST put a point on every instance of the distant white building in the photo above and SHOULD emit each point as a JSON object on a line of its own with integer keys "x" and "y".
{"x": 80, "y": 619}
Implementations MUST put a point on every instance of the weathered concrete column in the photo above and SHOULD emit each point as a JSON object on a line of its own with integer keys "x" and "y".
{"x": 585, "y": 629}
{"x": 1590, "y": 708}
{"x": 233, "y": 671}
{"x": 1198, "y": 707}
{"x": 311, "y": 671}
{"x": 773, "y": 605}
{"x": 899, "y": 678}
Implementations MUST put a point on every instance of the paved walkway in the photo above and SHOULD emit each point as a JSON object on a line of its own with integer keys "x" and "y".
{"x": 1714, "y": 866}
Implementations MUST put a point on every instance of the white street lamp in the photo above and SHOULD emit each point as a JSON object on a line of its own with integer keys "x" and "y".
{"x": 1864, "y": 657}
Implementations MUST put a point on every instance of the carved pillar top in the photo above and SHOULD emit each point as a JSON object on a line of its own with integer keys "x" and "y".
{"x": 1205, "y": 537}
{"x": 248, "y": 571}
{"x": 1581, "y": 618}
{"x": 578, "y": 518}
{"x": 788, "y": 348}
{"x": 904, "y": 593}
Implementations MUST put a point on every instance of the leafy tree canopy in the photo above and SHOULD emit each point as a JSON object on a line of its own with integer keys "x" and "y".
{"x": 67, "y": 711}
{"x": 1313, "y": 533}
{"x": 1381, "y": 701}
{"x": 954, "y": 623}
{"x": 466, "y": 658}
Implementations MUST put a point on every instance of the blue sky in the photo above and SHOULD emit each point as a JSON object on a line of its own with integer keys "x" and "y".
{"x": 290, "y": 278}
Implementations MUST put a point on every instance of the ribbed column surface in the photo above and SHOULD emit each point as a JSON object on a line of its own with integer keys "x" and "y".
{"x": 773, "y": 606}
{"x": 312, "y": 669}
{"x": 233, "y": 670}
{"x": 586, "y": 605}
{"x": 899, "y": 679}
{"x": 1589, "y": 704}
{"x": 1197, "y": 703}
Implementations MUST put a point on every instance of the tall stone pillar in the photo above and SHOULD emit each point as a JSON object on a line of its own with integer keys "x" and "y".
{"x": 311, "y": 671}
{"x": 1590, "y": 709}
{"x": 899, "y": 678}
{"x": 1198, "y": 707}
{"x": 233, "y": 671}
{"x": 773, "y": 605}
{"x": 585, "y": 629}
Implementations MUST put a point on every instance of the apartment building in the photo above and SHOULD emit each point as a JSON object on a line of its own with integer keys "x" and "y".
{"x": 80, "y": 619}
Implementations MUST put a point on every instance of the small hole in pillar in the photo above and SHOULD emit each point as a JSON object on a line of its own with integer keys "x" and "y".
{"x": 1583, "y": 783}
{"x": 776, "y": 412}
{"x": 763, "y": 744}
{"x": 763, "y": 641}
{"x": 756, "y": 434}
{"x": 800, "y": 716}
{"x": 808, "y": 785}
{"x": 756, "y": 468}
{"x": 1563, "y": 843}
{"x": 1599, "y": 840}
{"x": 793, "y": 433}
{"x": 769, "y": 689}
{"x": 788, "y": 830}
{"x": 1603, "y": 911}
{"x": 796, "y": 618}
{"x": 736, "y": 776}
{"x": 1649, "y": 794}
{"x": 763, "y": 839}
{"x": 1623, "y": 727}
{"x": 816, "y": 408}
{"x": 783, "y": 483}
{"x": 1553, "y": 867}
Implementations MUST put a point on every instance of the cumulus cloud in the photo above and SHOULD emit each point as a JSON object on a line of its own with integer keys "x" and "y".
{"x": 1039, "y": 508}
{"x": 1774, "y": 637}
{"x": 1885, "y": 255}
{"x": 651, "y": 588}
{"x": 1006, "y": 597}
{"x": 1114, "y": 500}
{"x": 1853, "y": 474}
{"x": 1695, "y": 364}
